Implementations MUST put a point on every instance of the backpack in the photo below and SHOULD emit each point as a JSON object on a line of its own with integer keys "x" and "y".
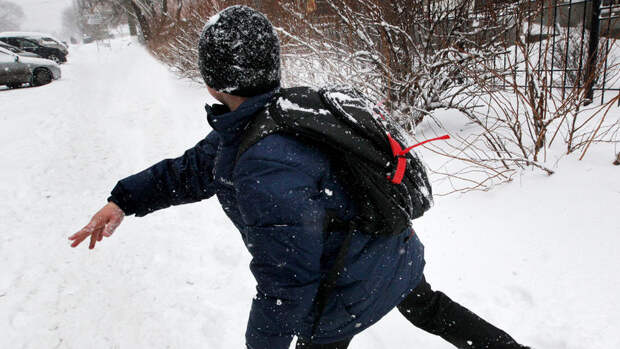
{"x": 389, "y": 184}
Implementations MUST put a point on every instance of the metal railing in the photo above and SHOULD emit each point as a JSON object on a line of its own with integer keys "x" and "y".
{"x": 577, "y": 35}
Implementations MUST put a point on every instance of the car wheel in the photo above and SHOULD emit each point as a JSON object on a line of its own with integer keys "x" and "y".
{"x": 41, "y": 77}
{"x": 56, "y": 59}
{"x": 13, "y": 86}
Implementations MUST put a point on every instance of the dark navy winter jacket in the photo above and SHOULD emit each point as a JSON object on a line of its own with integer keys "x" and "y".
{"x": 277, "y": 195}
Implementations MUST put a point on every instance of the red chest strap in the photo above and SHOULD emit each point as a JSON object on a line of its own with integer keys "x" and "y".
{"x": 399, "y": 153}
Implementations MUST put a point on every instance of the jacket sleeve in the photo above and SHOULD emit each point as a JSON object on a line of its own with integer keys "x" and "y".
{"x": 183, "y": 180}
{"x": 280, "y": 201}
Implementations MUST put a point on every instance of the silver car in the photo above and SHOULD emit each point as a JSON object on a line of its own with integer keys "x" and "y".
{"x": 16, "y": 70}
{"x": 18, "y": 51}
{"x": 41, "y": 38}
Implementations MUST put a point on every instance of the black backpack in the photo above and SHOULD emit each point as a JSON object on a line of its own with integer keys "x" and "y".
{"x": 389, "y": 184}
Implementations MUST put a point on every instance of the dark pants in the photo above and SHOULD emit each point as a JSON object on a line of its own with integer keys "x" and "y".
{"x": 436, "y": 313}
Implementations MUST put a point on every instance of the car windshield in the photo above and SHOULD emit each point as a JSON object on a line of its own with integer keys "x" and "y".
{"x": 44, "y": 40}
{"x": 33, "y": 38}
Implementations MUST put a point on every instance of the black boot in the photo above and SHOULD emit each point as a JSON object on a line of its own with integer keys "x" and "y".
{"x": 436, "y": 313}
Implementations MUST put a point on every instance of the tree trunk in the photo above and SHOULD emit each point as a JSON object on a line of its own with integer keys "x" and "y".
{"x": 144, "y": 25}
{"x": 131, "y": 22}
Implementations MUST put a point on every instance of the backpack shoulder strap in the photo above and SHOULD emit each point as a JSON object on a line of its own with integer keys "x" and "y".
{"x": 289, "y": 111}
{"x": 262, "y": 126}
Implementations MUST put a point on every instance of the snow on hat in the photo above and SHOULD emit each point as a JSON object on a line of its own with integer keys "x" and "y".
{"x": 239, "y": 52}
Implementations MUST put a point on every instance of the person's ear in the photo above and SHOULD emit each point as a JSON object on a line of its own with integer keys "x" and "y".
{"x": 219, "y": 96}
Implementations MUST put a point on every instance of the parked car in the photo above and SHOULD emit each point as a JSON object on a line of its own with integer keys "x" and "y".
{"x": 18, "y": 51}
{"x": 16, "y": 70}
{"x": 45, "y": 47}
{"x": 45, "y": 39}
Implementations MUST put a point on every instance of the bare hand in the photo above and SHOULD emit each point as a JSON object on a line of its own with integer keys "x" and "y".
{"x": 102, "y": 224}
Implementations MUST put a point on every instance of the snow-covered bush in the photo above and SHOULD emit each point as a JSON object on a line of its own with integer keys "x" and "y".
{"x": 524, "y": 115}
{"x": 417, "y": 57}
{"x": 409, "y": 54}
{"x": 175, "y": 38}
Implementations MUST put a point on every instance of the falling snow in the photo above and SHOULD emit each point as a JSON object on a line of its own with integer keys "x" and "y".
{"x": 64, "y": 145}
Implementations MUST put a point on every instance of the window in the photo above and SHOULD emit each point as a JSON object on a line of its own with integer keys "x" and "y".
{"x": 26, "y": 44}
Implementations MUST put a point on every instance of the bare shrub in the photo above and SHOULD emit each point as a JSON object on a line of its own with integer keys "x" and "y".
{"x": 418, "y": 57}
{"x": 520, "y": 121}
{"x": 409, "y": 54}
{"x": 175, "y": 38}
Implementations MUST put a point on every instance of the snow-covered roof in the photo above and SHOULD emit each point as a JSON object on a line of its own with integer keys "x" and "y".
{"x": 22, "y": 34}
{"x": 28, "y": 35}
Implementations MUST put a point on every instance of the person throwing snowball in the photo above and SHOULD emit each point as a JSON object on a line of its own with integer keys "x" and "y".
{"x": 284, "y": 193}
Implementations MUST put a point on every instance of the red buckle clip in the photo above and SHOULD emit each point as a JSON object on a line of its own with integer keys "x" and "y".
{"x": 400, "y": 153}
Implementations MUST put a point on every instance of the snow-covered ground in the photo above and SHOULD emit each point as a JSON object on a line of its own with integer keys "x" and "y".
{"x": 537, "y": 257}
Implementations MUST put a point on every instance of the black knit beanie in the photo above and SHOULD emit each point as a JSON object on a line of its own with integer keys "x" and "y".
{"x": 239, "y": 53}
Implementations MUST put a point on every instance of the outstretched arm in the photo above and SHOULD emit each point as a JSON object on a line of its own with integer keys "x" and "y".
{"x": 186, "y": 179}
{"x": 183, "y": 180}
